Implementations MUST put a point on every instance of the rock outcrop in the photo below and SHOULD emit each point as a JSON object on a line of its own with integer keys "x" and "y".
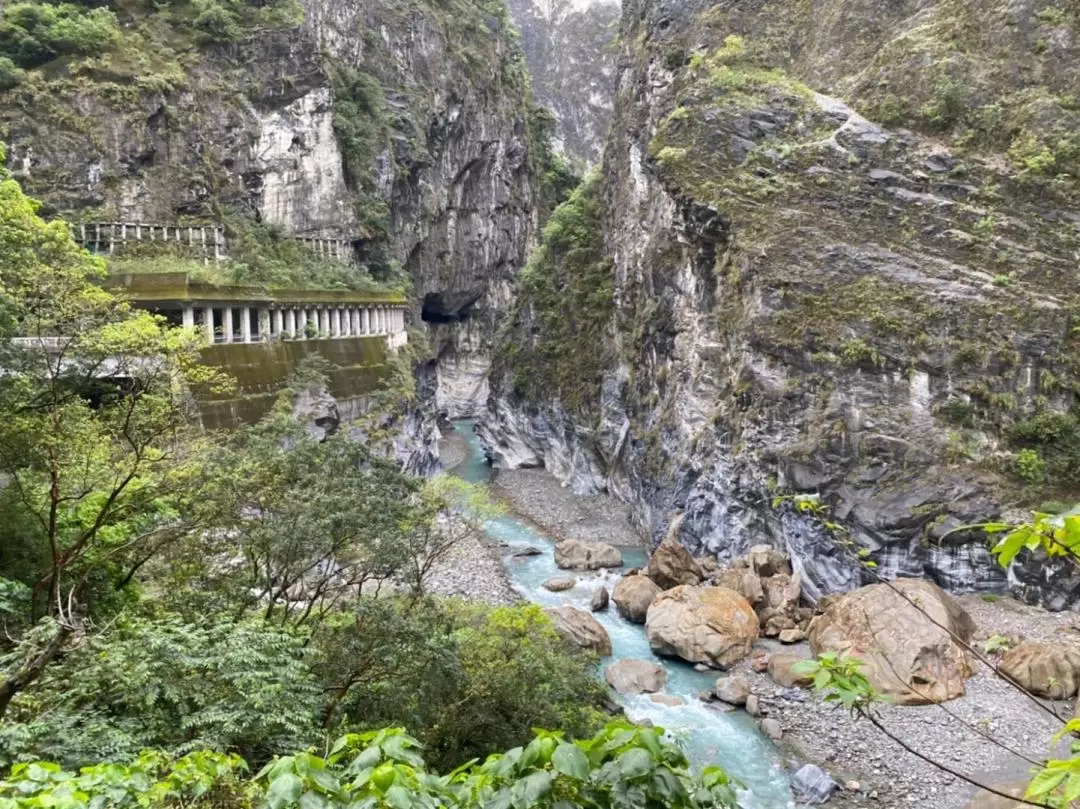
{"x": 860, "y": 290}
{"x": 629, "y": 676}
{"x": 581, "y": 629}
{"x": 911, "y": 659}
{"x": 573, "y": 554}
{"x": 633, "y": 595}
{"x": 708, "y": 625}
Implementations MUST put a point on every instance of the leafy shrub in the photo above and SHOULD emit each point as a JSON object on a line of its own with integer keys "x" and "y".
{"x": 10, "y": 73}
{"x": 1030, "y": 466}
{"x": 621, "y": 767}
{"x": 168, "y": 684}
{"x": 33, "y": 33}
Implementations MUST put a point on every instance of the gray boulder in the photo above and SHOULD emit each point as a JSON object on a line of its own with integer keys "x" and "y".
{"x": 635, "y": 676}
{"x": 573, "y": 554}
{"x": 600, "y": 599}
{"x": 812, "y": 785}
{"x": 559, "y": 583}
{"x": 581, "y": 629}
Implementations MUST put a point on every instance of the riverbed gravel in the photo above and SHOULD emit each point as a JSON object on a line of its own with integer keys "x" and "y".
{"x": 537, "y": 497}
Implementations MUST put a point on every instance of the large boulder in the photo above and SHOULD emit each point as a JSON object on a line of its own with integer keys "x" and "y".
{"x": 581, "y": 629}
{"x": 732, "y": 690}
{"x": 671, "y": 565}
{"x": 599, "y": 600}
{"x": 573, "y": 554}
{"x": 633, "y": 595}
{"x": 629, "y": 676}
{"x": 710, "y": 625}
{"x": 1048, "y": 670}
{"x": 907, "y": 656}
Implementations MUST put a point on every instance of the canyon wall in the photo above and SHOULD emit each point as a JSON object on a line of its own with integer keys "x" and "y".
{"x": 832, "y": 303}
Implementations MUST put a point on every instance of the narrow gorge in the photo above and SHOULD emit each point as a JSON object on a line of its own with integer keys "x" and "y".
{"x": 666, "y": 403}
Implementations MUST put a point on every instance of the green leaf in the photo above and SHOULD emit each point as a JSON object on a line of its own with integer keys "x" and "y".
{"x": 284, "y": 791}
{"x": 1044, "y": 782}
{"x": 569, "y": 760}
{"x": 635, "y": 763}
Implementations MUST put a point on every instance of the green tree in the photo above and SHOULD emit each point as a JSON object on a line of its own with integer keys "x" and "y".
{"x": 94, "y": 429}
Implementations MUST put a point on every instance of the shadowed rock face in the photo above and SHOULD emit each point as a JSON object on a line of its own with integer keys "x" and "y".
{"x": 841, "y": 250}
{"x": 569, "y": 47}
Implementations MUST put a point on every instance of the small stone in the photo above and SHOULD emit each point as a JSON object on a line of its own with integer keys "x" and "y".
{"x": 811, "y": 784}
{"x": 760, "y": 663}
{"x": 700, "y": 667}
{"x": 559, "y": 583}
{"x": 527, "y": 551}
{"x": 792, "y": 635}
{"x": 852, "y": 786}
{"x": 753, "y": 705}
{"x": 771, "y": 728}
{"x": 600, "y": 599}
{"x": 733, "y": 690}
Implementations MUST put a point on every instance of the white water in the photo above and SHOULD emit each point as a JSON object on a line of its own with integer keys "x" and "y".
{"x": 730, "y": 740}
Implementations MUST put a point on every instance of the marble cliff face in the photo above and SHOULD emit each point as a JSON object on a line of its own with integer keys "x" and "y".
{"x": 841, "y": 246}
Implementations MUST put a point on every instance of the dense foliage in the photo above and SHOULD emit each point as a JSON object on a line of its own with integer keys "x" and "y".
{"x": 251, "y": 593}
{"x": 622, "y": 767}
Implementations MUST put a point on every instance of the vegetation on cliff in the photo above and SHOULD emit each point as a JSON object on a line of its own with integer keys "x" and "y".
{"x": 553, "y": 342}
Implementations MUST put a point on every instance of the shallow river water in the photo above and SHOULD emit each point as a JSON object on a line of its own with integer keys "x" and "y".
{"x": 730, "y": 740}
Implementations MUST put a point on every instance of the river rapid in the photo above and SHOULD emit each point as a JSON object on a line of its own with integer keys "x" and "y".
{"x": 730, "y": 740}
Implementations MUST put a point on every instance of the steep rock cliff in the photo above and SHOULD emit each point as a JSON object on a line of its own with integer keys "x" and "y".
{"x": 569, "y": 48}
{"x": 401, "y": 126}
{"x": 841, "y": 244}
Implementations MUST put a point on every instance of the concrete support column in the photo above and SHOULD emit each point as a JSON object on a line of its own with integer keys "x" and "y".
{"x": 290, "y": 322}
{"x": 346, "y": 322}
{"x": 227, "y": 323}
{"x": 279, "y": 324}
{"x": 324, "y": 322}
{"x": 245, "y": 324}
{"x": 354, "y": 313}
{"x": 382, "y": 320}
{"x": 264, "y": 325}
{"x": 335, "y": 323}
{"x": 189, "y": 316}
{"x": 301, "y": 323}
{"x": 208, "y": 324}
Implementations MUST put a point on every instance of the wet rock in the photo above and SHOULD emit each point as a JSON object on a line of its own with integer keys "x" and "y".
{"x": 558, "y": 584}
{"x": 753, "y": 705}
{"x": 709, "y": 625}
{"x": 671, "y": 565}
{"x": 792, "y": 635}
{"x": 527, "y": 551}
{"x": 629, "y": 676}
{"x": 812, "y": 785}
{"x": 1048, "y": 670}
{"x": 573, "y": 554}
{"x": 600, "y": 598}
{"x": 907, "y": 657}
{"x": 633, "y": 595}
{"x": 581, "y": 629}
{"x": 772, "y": 729}
{"x": 732, "y": 690}
{"x": 666, "y": 699}
{"x": 780, "y": 670}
